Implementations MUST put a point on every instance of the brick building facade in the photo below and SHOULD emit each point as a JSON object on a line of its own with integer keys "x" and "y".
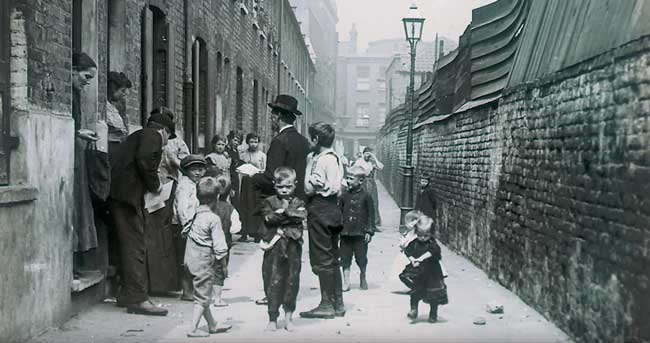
{"x": 216, "y": 63}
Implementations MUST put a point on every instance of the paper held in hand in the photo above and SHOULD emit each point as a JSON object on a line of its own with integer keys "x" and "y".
{"x": 155, "y": 201}
{"x": 248, "y": 169}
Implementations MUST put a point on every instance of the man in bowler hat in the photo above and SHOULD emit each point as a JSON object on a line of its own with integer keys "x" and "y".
{"x": 134, "y": 171}
{"x": 287, "y": 149}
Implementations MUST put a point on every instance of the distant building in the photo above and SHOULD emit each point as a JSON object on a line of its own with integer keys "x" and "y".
{"x": 369, "y": 83}
{"x": 399, "y": 69}
{"x": 318, "y": 20}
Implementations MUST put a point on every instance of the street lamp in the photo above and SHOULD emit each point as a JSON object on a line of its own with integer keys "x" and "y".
{"x": 413, "y": 24}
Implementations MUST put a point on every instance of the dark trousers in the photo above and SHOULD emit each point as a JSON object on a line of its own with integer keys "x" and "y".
{"x": 325, "y": 224}
{"x": 354, "y": 246}
{"x": 281, "y": 275}
{"x": 129, "y": 224}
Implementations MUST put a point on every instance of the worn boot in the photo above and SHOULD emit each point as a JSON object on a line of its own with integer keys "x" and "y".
{"x": 413, "y": 313}
{"x": 339, "y": 306}
{"x": 433, "y": 313}
{"x": 346, "y": 279}
{"x": 363, "y": 284}
{"x": 324, "y": 310}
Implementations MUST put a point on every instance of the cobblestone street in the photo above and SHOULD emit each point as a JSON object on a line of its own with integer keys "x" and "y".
{"x": 378, "y": 314}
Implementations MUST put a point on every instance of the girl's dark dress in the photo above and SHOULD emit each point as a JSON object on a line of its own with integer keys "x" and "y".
{"x": 426, "y": 280}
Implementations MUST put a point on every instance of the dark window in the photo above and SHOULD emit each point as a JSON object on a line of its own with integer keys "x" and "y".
{"x": 5, "y": 105}
{"x": 196, "y": 125}
{"x": 155, "y": 61}
{"x": 239, "y": 105}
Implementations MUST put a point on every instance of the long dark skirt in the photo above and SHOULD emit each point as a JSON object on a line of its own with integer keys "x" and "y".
{"x": 161, "y": 244}
{"x": 249, "y": 201}
{"x": 371, "y": 187}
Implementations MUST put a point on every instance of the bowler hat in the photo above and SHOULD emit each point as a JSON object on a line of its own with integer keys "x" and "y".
{"x": 193, "y": 159}
{"x": 286, "y": 103}
{"x": 165, "y": 120}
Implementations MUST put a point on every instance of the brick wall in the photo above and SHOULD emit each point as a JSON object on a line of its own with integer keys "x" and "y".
{"x": 549, "y": 192}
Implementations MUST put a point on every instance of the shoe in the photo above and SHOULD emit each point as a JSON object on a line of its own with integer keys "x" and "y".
{"x": 324, "y": 310}
{"x": 413, "y": 314}
{"x": 363, "y": 284}
{"x": 146, "y": 308}
{"x": 263, "y": 301}
{"x": 433, "y": 314}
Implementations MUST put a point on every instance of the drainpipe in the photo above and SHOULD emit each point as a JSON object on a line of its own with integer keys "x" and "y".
{"x": 188, "y": 84}
{"x": 279, "y": 45}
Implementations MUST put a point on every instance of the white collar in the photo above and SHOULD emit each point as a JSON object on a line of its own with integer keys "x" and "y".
{"x": 285, "y": 127}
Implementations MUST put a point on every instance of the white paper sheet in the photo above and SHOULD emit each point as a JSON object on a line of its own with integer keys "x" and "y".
{"x": 155, "y": 201}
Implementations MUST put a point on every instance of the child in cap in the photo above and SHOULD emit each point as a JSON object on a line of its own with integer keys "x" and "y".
{"x": 424, "y": 275}
{"x": 206, "y": 248}
{"x": 284, "y": 215}
{"x": 230, "y": 223}
{"x": 358, "y": 212}
{"x": 185, "y": 204}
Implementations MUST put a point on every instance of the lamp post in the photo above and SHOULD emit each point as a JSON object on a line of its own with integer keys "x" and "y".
{"x": 413, "y": 24}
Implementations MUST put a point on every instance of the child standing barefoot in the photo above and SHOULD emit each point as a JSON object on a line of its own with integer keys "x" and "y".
{"x": 283, "y": 215}
{"x": 424, "y": 274}
{"x": 206, "y": 249}
{"x": 230, "y": 223}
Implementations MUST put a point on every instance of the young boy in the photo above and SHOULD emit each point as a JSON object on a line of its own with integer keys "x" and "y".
{"x": 230, "y": 224}
{"x": 323, "y": 177}
{"x": 424, "y": 275}
{"x": 358, "y": 226}
{"x": 284, "y": 215}
{"x": 185, "y": 205}
{"x": 206, "y": 248}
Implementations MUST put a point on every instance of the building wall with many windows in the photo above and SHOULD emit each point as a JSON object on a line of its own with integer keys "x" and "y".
{"x": 215, "y": 63}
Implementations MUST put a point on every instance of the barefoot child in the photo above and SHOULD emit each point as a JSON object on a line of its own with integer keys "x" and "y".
{"x": 206, "y": 249}
{"x": 230, "y": 224}
{"x": 358, "y": 226}
{"x": 284, "y": 215}
{"x": 185, "y": 205}
{"x": 424, "y": 274}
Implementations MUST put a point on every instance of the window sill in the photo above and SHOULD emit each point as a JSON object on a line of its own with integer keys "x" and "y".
{"x": 17, "y": 194}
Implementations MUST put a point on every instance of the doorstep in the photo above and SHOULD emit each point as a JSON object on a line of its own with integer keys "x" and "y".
{"x": 87, "y": 278}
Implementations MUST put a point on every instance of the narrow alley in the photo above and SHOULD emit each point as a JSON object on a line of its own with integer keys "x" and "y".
{"x": 378, "y": 314}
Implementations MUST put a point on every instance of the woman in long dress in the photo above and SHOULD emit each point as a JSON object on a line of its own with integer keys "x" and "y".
{"x": 250, "y": 197}
{"x": 370, "y": 163}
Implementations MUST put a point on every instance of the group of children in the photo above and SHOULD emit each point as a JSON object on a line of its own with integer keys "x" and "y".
{"x": 208, "y": 225}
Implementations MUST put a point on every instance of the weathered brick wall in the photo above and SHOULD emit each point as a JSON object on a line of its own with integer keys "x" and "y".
{"x": 550, "y": 192}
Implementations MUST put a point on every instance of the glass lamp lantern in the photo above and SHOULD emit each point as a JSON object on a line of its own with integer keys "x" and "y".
{"x": 413, "y": 24}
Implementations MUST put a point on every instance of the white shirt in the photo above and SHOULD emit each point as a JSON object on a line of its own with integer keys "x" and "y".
{"x": 325, "y": 168}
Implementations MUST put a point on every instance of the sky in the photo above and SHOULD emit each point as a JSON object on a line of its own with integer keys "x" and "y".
{"x": 380, "y": 19}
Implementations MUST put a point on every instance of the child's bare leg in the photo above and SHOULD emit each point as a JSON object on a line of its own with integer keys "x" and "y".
{"x": 273, "y": 319}
{"x": 288, "y": 321}
{"x": 212, "y": 323}
{"x": 272, "y": 326}
{"x": 218, "y": 302}
{"x": 196, "y": 319}
{"x": 346, "y": 279}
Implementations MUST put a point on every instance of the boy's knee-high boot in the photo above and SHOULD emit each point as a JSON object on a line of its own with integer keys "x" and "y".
{"x": 324, "y": 310}
{"x": 339, "y": 306}
{"x": 413, "y": 313}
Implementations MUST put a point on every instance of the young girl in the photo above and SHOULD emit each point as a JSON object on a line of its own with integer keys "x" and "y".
{"x": 206, "y": 249}
{"x": 424, "y": 275}
{"x": 218, "y": 160}
{"x": 230, "y": 224}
